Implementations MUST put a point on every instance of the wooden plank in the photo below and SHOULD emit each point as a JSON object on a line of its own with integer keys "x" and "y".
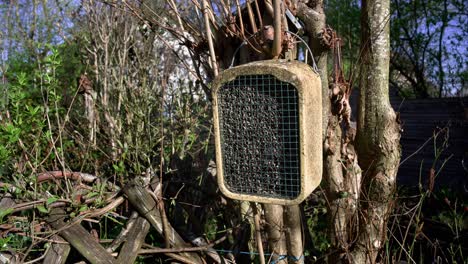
{"x": 144, "y": 203}
{"x": 58, "y": 252}
{"x": 79, "y": 238}
{"x": 135, "y": 239}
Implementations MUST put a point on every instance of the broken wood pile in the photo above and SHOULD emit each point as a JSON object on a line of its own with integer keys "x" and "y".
{"x": 62, "y": 228}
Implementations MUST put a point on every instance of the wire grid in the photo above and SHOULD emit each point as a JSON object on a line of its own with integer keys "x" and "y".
{"x": 259, "y": 127}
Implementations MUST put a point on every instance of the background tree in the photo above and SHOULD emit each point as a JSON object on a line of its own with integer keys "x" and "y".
{"x": 428, "y": 46}
{"x": 428, "y": 39}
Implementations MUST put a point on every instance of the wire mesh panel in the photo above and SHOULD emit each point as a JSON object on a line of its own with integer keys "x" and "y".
{"x": 267, "y": 121}
{"x": 259, "y": 132}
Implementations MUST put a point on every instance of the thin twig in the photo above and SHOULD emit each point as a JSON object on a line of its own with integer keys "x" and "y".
{"x": 186, "y": 249}
{"x": 209, "y": 38}
{"x": 173, "y": 5}
{"x": 421, "y": 147}
{"x": 159, "y": 201}
{"x": 39, "y": 258}
{"x": 276, "y": 49}
{"x": 241, "y": 22}
{"x": 105, "y": 209}
{"x": 259, "y": 15}
{"x": 50, "y": 175}
{"x": 258, "y": 234}
{"x": 251, "y": 17}
{"x": 180, "y": 258}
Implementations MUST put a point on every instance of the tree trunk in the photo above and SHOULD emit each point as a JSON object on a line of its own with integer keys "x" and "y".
{"x": 378, "y": 132}
{"x": 292, "y": 218}
{"x": 380, "y": 151}
{"x": 314, "y": 18}
{"x": 275, "y": 232}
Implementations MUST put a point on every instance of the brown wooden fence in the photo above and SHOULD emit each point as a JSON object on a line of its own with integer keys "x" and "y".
{"x": 430, "y": 126}
{"x": 421, "y": 120}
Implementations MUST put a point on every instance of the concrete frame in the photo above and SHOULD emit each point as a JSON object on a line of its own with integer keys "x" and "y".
{"x": 308, "y": 85}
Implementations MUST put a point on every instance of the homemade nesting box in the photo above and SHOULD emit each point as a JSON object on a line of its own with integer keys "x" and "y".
{"x": 268, "y": 131}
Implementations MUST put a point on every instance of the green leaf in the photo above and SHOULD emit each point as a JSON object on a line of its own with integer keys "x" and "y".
{"x": 92, "y": 194}
{"x": 344, "y": 194}
{"x": 52, "y": 199}
{"x": 4, "y": 242}
{"x": 22, "y": 79}
{"x": 113, "y": 219}
{"x": 42, "y": 209}
{"x": 4, "y": 153}
{"x": 83, "y": 208}
{"x": 4, "y": 213}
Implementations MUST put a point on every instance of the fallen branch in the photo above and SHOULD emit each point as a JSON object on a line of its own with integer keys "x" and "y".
{"x": 33, "y": 204}
{"x": 52, "y": 175}
{"x": 180, "y": 258}
{"x": 178, "y": 250}
{"x": 62, "y": 202}
{"x": 98, "y": 212}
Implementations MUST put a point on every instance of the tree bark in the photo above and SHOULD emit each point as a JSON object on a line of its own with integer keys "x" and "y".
{"x": 275, "y": 231}
{"x": 313, "y": 16}
{"x": 314, "y": 19}
{"x": 378, "y": 132}
{"x": 293, "y": 227}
